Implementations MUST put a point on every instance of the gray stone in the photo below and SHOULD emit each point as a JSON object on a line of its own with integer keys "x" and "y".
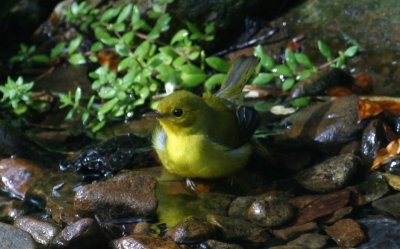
{"x": 191, "y": 230}
{"x": 42, "y": 232}
{"x": 310, "y": 241}
{"x": 83, "y": 234}
{"x": 240, "y": 205}
{"x": 137, "y": 241}
{"x": 14, "y": 238}
{"x": 332, "y": 174}
{"x": 119, "y": 197}
{"x": 382, "y": 232}
{"x": 270, "y": 212}
{"x": 389, "y": 204}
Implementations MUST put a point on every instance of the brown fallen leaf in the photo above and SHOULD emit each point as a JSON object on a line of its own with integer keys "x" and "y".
{"x": 391, "y": 150}
{"x": 368, "y": 108}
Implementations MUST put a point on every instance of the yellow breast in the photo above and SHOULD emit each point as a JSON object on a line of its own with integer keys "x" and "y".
{"x": 197, "y": 156}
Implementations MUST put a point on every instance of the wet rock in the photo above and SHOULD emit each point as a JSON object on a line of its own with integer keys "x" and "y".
{"x": 373, "y": 188}
{"x": 346, "y": 233}
{"x": 310, "y": 240}
{"x": 17, "y": 176}
{"x": 191, "y": 230}
{"x": 332, "y": 174}
{"x": 382, "y": 232}
{"x": 214, "y": 244}
{"x": 238, "y": 229}
{"x": 118, "y": 197}
{"x": 240, "y": 205}
{"x": 322, "y": 206}
{"x": 352, "y": 147}
{"x": 142, "y": 228}
{"x": 373, "y": 138}
{"x": 390, "y": 204}
{"x": 294, "y": 231}
{"x": 107, "y": 158}
{"x": 14, "y": 238}
{"x": 83, "y": 234}
{"x": 318, "y": 83}
{"x": 339, "y": 214}
{"x": 42, "y": 232}
{"x": 56, "y": 194}
{"x": 325, "y": 125}
{"x": 12, "y": 209}
{"x": 270, "y": 212}
{"x": 392, "y": 165}
{"x": 137, "y": 241}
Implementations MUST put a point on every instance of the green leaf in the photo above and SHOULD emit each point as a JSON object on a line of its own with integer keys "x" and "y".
{"x": 325, "y": 50}
{"x": 122, "y": 50}
{"x": 74, "y": 45}
{"x": 119, "y": 27}
{"x": 109, "y": 14}
{"x": 290, "y": 59}
{"x": 107, "y": 92}
{"x": 167, "y": 74}
{"x": 282, "y": 70}
{"x": 303, "y": 60}
{"x": 110, "y": 41}
{"x": 40, "y": 58}
{"x": 127, "y": 38}
{"x": 136, "y": 21}
{"x": 351, "y": 51}
{"x": 77, "y": 98}
{"x": 124, "y": 13}
{"x": 214, "y": 81}
{"x": 218, "y": 64}
{"x": 288, "y": 84}
{"x": 101, "y": 33}
{"x": 162, "y": 25}
{"x": 179, "y": 36}
{"x": 106, "y": 107}
{"x": 77, "y": 59}
{"x": 304, "y": 74}
{"x": 125, "y": 63}
{"x": 263, "y": 78}
{"x": 97, "y": 46}
{"x": 57, "y": 50}
{"x": 299, "y": 102}
{"x": 266, "y": 60}
{"x": 98, "y": 126}
{"x": 143, "y": 49}
{"x": 192, "y": 76}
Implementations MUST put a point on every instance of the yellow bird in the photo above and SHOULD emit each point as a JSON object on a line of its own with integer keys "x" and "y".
{"x": 207, "y": 137}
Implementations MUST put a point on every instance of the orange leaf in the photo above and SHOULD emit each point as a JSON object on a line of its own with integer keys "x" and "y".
{"x": 368, "y": 108}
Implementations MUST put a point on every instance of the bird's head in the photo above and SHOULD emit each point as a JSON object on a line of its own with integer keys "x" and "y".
{"x": 182, "y": 111}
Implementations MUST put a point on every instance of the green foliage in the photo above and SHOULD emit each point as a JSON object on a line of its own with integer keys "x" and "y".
{"x": 17, "y": 95}
{"x": 296, "y": 67}
{"x": 147, "y": 61}
{"x": 27, "y": 56}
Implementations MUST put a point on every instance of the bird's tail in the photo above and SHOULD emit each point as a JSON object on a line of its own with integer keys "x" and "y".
{"x": 239, "y": 73}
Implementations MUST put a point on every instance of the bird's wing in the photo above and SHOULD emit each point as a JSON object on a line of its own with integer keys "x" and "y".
{"x": 248, "y": 121}
{"x": 238, "y": 75}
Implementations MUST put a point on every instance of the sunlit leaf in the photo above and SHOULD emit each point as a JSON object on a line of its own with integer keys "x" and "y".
{"x": 214, "y": 81}
{"x": 73, "y": 46}
{"x": 77, "y": 59}
{"x": 351, "y": 51}
{"x": 282, "y": 70}
{"x": 325, "y": 50}
{"x": 263, "y": 78}
{"x": 303, "y": 60}
{"x": 288, "y": 84}
{"x": 57, "y": 50}
{"x": 124, "y": 13}
{"x": 218, "y": 64}
{"x": 265, "y": 60}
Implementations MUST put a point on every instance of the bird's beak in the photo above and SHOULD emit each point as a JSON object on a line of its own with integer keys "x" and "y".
{"x": 154, "y": 114}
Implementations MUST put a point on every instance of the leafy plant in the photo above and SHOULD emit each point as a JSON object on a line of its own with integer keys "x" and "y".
{"x": 27, "y": 56}
{"x": 17, "y": 95}
{"x": 296, "y": 67}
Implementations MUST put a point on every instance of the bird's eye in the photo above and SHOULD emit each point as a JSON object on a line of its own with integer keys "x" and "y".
{"x": 178, "y": 112}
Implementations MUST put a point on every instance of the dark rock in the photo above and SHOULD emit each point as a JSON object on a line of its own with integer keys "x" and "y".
{"x": 12, "y": 209}
{"x": 109, "y": 157}
{"x": 352, "y": 147}
{"x": 137, "y": 241}
{"x": 240, "y": 206}
{"x": 318, "y": 83}
{"x": 338, "y": 214}
{"x": 332, "y": 174}
{"x": 41, "y": 231}
{"x": 373, "y": 188}
{"x": 142, "y": 228}
{"x": 294, "y": 231}
{"x": 83, "y": 234}
{"x": 270, "y": 212}
{"x": 346, "y": 233}
{"x": 322, "y": 206}
{"x": 392, "y": 165}
{"x": 238, "y": 229}
{"x": 14, "y": 238}
{"x": 310, "y": 240}
{"x": 191, "y": 230}
{"x": 390, "y": 204}
{"x": 118, "y": 197}
{"x": 325, "y": 125}
{"x": 372, "y": 140}
{"x": 18, "y": 175}
{"x": 382, "y": 232}
{"x": 56, "y": 194}
{"x": 213, "y": 244}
